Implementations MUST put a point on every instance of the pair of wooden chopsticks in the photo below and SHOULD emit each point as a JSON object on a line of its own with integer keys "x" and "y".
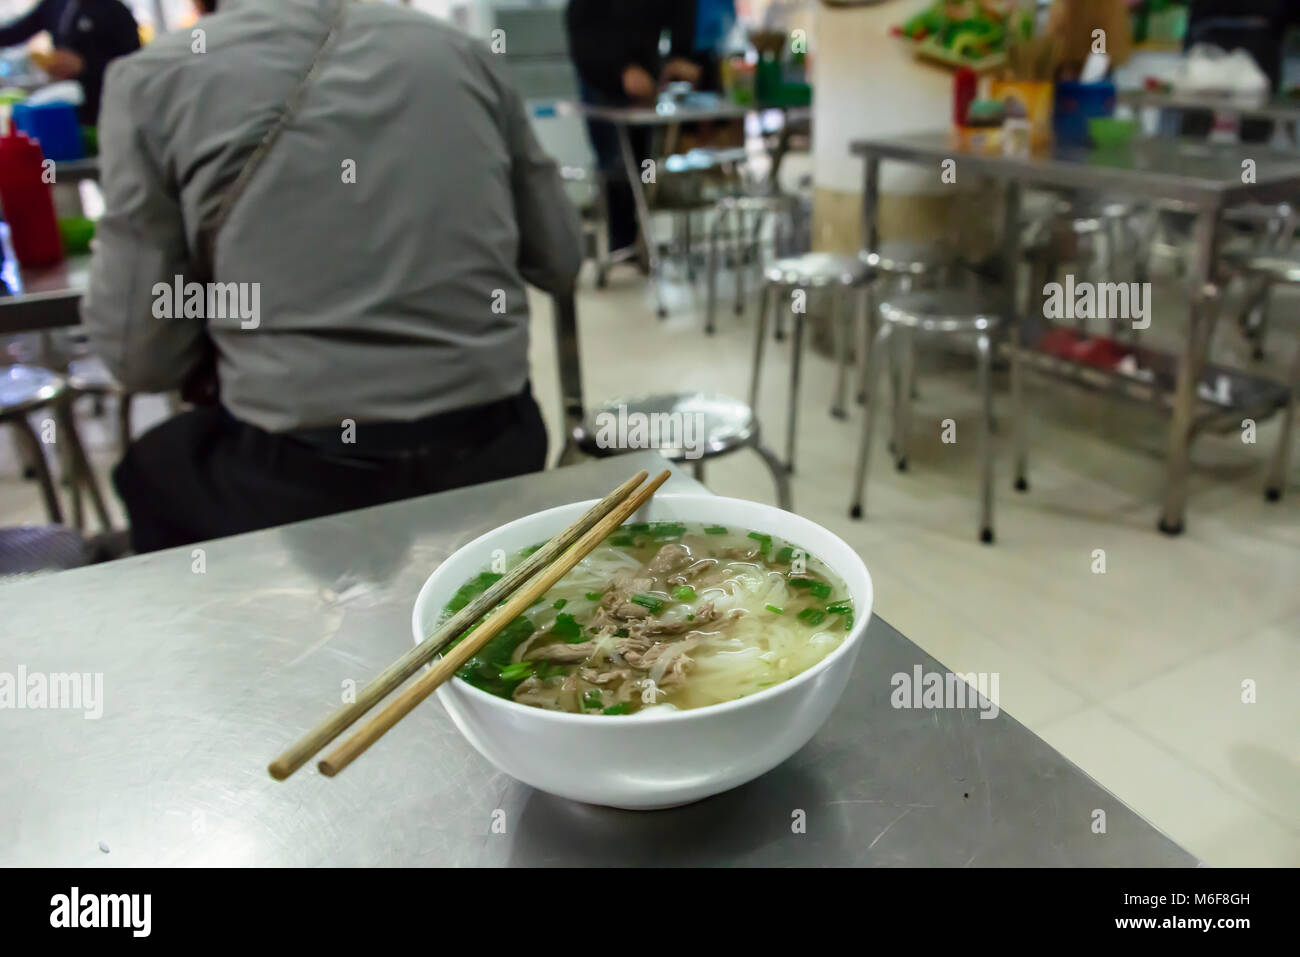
{"x": 520, "y": 587}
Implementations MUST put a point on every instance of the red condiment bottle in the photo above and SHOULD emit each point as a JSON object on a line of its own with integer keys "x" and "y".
{"x": 965, "y": 88}
{"x": 28, "y": 206}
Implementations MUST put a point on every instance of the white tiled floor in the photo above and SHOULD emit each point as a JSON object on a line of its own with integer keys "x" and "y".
{"x": 1136, "y": 674}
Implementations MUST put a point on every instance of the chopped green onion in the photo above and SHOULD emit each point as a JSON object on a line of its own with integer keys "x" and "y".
{"x": 549, "y": 670}
{"x": 848, "y": 621}
{"x": 621, "y": 633}
{"x": 813, "y": 616}
{"x": 622, "y": 541}
{"x": 775, "y": 610}
{"x": 638, "y": 527}
{"x": 785, "y": 556}
{"x": 662, "y": 530}
{"x": 620, "y": 708}
{"x": 684, "y": 593}
{"x": 764, "y": 540}
{"x": 518, "y": 671}
{"x": 594, "y": 596}
{"x": 844, "y": 607}
{"x": 560, "y": 603}
{"x": 567, "y": 629}
{"x": 715, "y": 530}
{"x": 690, "y": 617}
{"x": 818, "y": 589}
{"x": 648, "y": 601}
{"x": 537, "y": 602}
{"x": 592, "y": 699}
{"x": 525, "y": 552}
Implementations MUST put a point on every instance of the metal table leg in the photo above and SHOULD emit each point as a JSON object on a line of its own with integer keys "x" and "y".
{"x": 565, "y": 318}
{"x": 1281, "y": 456}
{"x": 1201, "y": 319}
{"x": 642, "y": 214}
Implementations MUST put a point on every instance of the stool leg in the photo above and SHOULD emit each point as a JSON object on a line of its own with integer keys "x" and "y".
{"x": 83, "y": 474}
{"x": 1018, "y": 425}
{"x": 124, "y": 420}
{"x": 687, "y": 246}
{"x": 739, "y": 233}
{"x": 779, "y": 320}
{"x": 780, "y": 477}
{"x": 984, "y": 353}
{"x": 1277, "y": 472}
{"x": 866, "y": 337}
{"x": 711, "y": 277}
{"x": 796, "y": 360}
{"x": 69, "y": 471}
{"x": 875, "y": 359}
{"x": 841, "y": 326}
{"x": 697, "y": 469}
{"x": 765, "y": 298}
{"x": 36, "y": 457}
{"x": 905, "y": 347}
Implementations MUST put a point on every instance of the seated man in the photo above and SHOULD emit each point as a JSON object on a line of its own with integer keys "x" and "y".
{"x": 320, "y": 214}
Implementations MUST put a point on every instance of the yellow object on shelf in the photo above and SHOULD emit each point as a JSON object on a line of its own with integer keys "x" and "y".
{"x": 1028, "y": 100}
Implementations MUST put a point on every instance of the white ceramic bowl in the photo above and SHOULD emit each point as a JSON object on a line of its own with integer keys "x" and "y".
{"x": 659, "y": 758}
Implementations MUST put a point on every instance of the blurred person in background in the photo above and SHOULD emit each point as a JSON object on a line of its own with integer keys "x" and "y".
{"x": 356, "y": 193}
{"x": 615, "y": 48}
{"x": 714, "y": 21}
{"x": 87, "y": 36}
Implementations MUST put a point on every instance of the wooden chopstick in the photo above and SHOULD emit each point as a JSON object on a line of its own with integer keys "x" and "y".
{"x": 419, "y": 655}
{"x": 399, "y": 707}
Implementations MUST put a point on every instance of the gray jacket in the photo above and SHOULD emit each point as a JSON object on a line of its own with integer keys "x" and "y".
{"x": 379, "y": 251}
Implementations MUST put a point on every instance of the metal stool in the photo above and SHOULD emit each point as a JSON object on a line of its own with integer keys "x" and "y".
{"x": 931, "y": 312}
{"x": 905, "y": 265}
{"x": 734, "y": 212}
{"x": 1093, "y": 235}
{"x": 1272, "y": 268}
{"x": 89, "y": 376}
{"x": 810, "y": 271}
{"x": 25, "y": 389}
{"x": 724, "y": 425}
{"x": 30, "y": 550}
{"x": 1270, "y": 229}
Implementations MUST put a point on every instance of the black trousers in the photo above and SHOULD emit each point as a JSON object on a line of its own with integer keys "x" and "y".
{"x": 620, "y": 205}
{"x": 204, "y": 474}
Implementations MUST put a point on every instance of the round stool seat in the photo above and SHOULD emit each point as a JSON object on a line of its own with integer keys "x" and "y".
{"x": 91, "y": 375}
{"x": 817, "y": 270}
{"x": 756, "y": 203}
{"x": 717, "y": 424}
{"x": 33, "y": 549}
{"x": 24, "y": 388}
{"x": 942, "y": 311}
{"x": 1278, "y": 267}
{"x": 906, "y": 257}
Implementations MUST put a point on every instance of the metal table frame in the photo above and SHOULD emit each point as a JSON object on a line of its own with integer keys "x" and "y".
{"x": 1277, "y": 179}
{"x": 1279, "y": 109}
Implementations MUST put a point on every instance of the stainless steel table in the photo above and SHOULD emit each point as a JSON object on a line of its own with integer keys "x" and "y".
{"x": 1281, "y": 109}
{"x": 1207, "y": 177}
{"x": 45, "y": 298}
{"x": 207, "y": 675}
{"x": 666, "y": 114}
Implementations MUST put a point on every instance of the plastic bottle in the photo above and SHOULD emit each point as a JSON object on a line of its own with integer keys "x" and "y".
{"x": 26, "y": 200}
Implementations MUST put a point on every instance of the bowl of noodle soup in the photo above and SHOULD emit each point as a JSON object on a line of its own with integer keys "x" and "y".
{"x": 699, "y": 646}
